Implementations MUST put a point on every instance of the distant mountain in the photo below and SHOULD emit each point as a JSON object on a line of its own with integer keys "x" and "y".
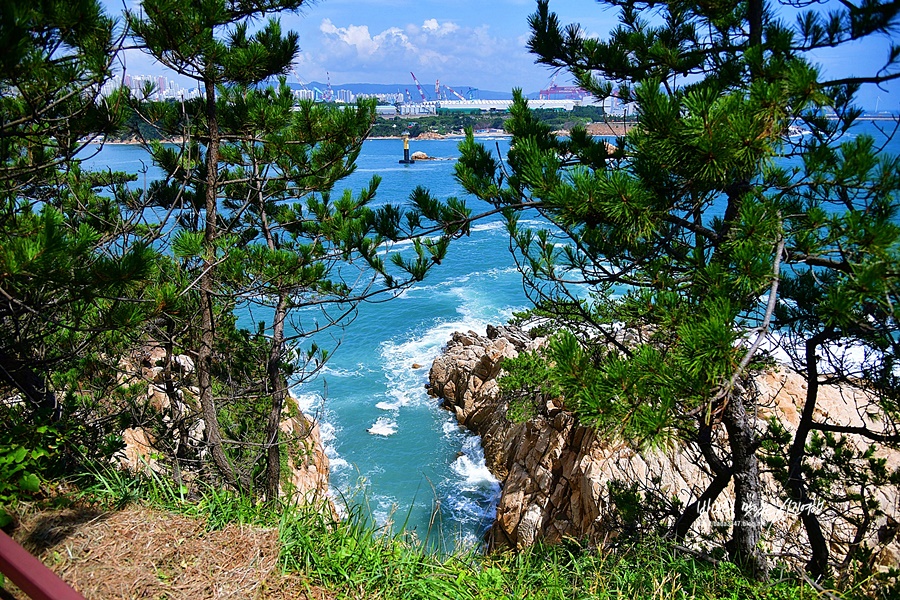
{"x": 395, "y": 88}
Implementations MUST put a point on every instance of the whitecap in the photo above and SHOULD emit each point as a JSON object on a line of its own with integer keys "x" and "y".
{"x": 388, "y": 405}
{"x": 451, "y": 428}
{"x": 383, "y": 426}
{"x": 492, "y": 226}
{"x": 475, "y": 474}
{"x": 308, "y": 403}
{"x": 337, "y": 464}
{"x": 337, "y": 372}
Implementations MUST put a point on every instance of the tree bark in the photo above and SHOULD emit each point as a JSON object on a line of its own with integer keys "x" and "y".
{"x": 278, "y": 387}
{"x": 819, "y": 553}
{"x": 747, "y": 527}
{"x": 207, "y": 283}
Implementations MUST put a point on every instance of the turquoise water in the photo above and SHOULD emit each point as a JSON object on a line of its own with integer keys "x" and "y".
{"x": 391, "y": 446}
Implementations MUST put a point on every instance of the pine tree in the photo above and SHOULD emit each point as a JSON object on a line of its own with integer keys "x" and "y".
{"x": 706, "y": 206}
{"x": 257, "y": 226}
{"x": 72, "y": 262}
{"x": 69, "y": 258}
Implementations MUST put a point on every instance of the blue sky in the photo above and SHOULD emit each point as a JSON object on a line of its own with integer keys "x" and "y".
{"x": 477, "y": 43}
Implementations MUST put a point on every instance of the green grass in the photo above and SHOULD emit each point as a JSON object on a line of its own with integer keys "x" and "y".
{"x": 353, "y": 559}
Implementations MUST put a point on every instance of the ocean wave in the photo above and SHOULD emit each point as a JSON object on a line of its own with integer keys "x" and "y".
{"x": 383, "y": 426}
{"x": 342, "y": 373}
{"x": 387, "y": 405}
{"x": 492, "y": 226}
{"x": 458, "y": 285}
{"x": 473, "y": 492}
{"x": 328, "y": 434}
{"x": 474, "y": 473}
{"x": 337, "y": 464}
{"x": 309, "y": 403}
{"x": 451, "y": 427}
{"x": 471, "y": 466}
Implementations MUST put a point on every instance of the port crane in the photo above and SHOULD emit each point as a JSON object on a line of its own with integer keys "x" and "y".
{"x": 421, "y": 91}
{"x": 454, "y": 92}
{"x": 329, "y": 93}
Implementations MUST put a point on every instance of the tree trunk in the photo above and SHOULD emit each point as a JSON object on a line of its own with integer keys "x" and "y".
{"x": 721, "y": 476}
{"x": 207, "y": 283}
{"x": 278, "y": 388}
{"x": 747, "y": 527}
{"x": 818, "y": 561}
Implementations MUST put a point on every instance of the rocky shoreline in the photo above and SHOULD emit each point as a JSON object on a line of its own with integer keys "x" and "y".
{"x": 556, "y": 473}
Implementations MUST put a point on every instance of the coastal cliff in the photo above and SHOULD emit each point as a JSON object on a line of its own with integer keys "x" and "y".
{"x": 559, "y": 477}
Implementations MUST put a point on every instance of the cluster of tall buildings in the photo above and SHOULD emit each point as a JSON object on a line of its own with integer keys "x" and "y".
{"x": 163, "y": 88}
{"x": 344, "y": 96}
{"x": 159, "y": 86}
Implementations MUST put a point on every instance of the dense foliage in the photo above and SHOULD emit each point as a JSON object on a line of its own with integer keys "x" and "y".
{"x": 119, "y": 302}
{"x": 73, "y": 266}
{"x": 715, "y": 234}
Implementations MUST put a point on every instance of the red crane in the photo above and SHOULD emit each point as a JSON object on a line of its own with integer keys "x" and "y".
{"x": 454, "y": 92}
{"x": 421, "y": 91}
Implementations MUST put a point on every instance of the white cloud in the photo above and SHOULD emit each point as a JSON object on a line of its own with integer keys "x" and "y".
{"x": 364, "y": 44}
{"x": 432, "y": 26}
{"x": 432, "y": 48}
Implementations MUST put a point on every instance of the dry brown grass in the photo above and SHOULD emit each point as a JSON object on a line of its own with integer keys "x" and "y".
{"x": 142, "y": 553}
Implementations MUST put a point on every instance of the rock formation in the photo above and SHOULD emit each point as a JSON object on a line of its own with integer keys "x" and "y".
{"x": 177, "y": 414}
{"x": 556, "y": 473}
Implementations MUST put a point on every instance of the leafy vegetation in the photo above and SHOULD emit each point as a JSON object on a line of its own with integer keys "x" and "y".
{"x": 709, "y": 228}
{"x": 119, "y": 303}
{"x": 677, "y": 233}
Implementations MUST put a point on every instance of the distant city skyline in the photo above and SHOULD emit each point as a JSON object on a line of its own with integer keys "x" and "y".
{"x": 467, "y": 43}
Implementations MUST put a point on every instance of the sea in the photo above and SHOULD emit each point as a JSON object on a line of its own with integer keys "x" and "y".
{"x": 395, "y": 454}
{"x": 393, "y": 450}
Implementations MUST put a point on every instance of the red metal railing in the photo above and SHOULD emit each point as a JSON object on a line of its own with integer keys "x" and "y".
{"x": 31, "y": 575}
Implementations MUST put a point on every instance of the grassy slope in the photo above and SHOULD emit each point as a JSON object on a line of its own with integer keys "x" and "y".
{"x": 140, "y": 540}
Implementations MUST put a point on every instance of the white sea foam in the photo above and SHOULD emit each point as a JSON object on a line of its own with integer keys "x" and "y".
{"x": 492, "y": 226}
{"x": 384, "y": 510}
{"x": 472, "y": 468}
{"x": 383, "y": 426}
{"x": 474, "y": 472}
{"x": 451, "y": 428}
{"x": 328, "y": 434}
{"x": 337, "y": 464}
{"x": 308, "y": 403}
{"x": 473, "y": 491}
{"x": 336, "y": 372}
